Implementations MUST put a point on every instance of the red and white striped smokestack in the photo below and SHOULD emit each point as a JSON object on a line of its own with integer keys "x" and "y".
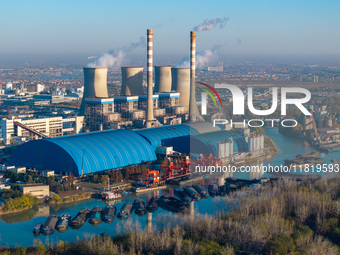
{"x": 193, "y": 110}
{"x": 149, "y": 113}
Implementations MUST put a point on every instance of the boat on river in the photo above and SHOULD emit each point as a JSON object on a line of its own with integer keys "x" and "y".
{"x": 203, "y": 193}
{"x": 37, "y": 228}
{"x": 109, "y": 213}
{"x": 153, "y": 204}
{"x": 306, "y": 160}
{"x": 181, "y": 194}
{"x": 139, "y": 206}
{"x": 63, "y": 222}
{"x": 96, "y": 216}
{"x": 213, "y": 189}
{"x": 172, "y": 204}
{"x": 81, "y": 218}
{"x": 49, "y": 225}
{"x": 192, "y": 193}
{"x": 125, "y": 211}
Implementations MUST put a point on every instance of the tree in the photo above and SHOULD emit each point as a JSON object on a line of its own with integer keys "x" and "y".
{"x": 104, "y": 179}
{"x": 281, "y": 244}
{"x": 95, "y": 178}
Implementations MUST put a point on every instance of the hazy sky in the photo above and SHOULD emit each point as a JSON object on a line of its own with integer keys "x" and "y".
{"x": 256, "y": 27}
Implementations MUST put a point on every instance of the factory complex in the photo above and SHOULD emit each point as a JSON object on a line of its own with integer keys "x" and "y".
{"x": 134, "y": 128}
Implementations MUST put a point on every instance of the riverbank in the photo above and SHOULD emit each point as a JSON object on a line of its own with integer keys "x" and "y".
{"x": 18, "y": 204}
{"x": 70, "y": 199}
{"x": 298, "y": 217}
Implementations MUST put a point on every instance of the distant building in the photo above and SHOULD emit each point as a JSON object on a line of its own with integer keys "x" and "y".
{"x": 39, "y": 88}
{"x": 47, "y": 173}
{"x": 19, "y": 131}
{"x": 163, "y": 151}
{"x": 8, "y": 86}
{"x": 50, "y": 127}
{"x": 216, "y": 68}
{"x": 39, "y": 191}
{"x": 17, "y": 170}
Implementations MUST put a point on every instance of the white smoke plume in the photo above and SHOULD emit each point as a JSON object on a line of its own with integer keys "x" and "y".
{"x": 209, "y": 24}
{"x": 203, "y": 58}
{"x": 115, "y": 57}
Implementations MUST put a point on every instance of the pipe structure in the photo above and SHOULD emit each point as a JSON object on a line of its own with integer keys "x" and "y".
{"x": 149, "y": 112}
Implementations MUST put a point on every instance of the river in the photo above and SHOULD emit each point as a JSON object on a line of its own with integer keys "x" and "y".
{"x": 17, "y": 229}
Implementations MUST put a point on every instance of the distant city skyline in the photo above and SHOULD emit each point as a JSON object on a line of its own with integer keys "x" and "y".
{"x": 86, "y": 28}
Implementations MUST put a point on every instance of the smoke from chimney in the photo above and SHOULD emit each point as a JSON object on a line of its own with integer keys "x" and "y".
{"x": 209, "y": 24}
{"x": 203, "y": 58}
{"x": 115, "y": 57}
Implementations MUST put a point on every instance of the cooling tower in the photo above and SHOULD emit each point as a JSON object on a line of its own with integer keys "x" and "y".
{"x": 95, "y": 85}
{"x": 181, "y": 84}
{"x": 162, "y": 79}
{"x": 149, "y": 112}
{"x": 193, "y": 110}
{"x": 132, "y": 80}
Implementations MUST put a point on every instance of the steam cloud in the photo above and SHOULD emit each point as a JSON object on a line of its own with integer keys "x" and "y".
{"x": 209, "y": 24}
{"x": 203, "y": 58}
{"x": 114, "y": 57}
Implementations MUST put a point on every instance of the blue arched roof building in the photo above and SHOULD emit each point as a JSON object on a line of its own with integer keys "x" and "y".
{"x": 94, "y": 152}
{"x": 111, "y": 149}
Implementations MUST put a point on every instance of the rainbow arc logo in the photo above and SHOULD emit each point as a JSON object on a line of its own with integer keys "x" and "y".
{"x": 204, "y": 98}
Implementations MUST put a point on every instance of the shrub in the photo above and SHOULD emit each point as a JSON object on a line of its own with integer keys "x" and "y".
{"x": 281, "y": 244}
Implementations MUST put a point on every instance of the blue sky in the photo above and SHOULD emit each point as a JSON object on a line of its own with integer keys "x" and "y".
{"x": 264, "y": 27}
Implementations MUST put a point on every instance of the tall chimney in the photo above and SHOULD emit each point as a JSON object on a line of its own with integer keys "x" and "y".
{"x": 193, "y": 111}
{"x": 149, "y": 113}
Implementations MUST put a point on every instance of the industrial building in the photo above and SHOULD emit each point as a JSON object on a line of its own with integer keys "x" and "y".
{"x": 15, "y": 130}
{"x": 112, "y": 149}
{"x": 171, "y": 101}
{"x": 39, "y": 191}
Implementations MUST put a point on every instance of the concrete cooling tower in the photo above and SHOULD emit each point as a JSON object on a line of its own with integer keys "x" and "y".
{"x": 162, "y": 79}
{"x": 132, "y": 81}
{"x": 181, "y": 84}
{"x": 95, "y": 85}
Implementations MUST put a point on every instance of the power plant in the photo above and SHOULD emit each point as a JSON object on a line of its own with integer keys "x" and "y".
{"x": 172, "y": 101}
{"x": 181, "y": 84}
{"x": 95, "y": 85}
{"x": 132, "y": 80}
{"x": 126, "y": 141}
{"x": 162, "y": 79}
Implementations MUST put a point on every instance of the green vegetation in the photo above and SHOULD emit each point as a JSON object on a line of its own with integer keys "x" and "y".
{"x": 57, "y": 199}
{"x": 10, "y": 193}
{"x": 30, "y": 177}
{"x": 129, "y": 172}
{"x": 283, "y": 217}
{"x": 19, "y": 203}
{"x": 291, "y": 131}
{"x": 269, "y": 143}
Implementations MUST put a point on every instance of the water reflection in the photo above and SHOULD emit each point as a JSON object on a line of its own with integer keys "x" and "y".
{"x": 34, "y": 212}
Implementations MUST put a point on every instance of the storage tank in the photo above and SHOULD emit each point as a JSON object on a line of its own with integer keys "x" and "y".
{"x": 181, "y": 83}
{"x": 132, "y": 80}
{"x": 95, "y": 85}
{"x": 162, "y": 79}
